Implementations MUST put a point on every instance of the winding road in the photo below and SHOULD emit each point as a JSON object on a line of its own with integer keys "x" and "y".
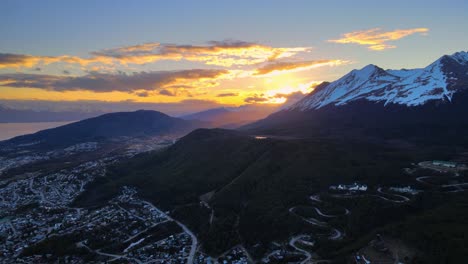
{"x": 306, "y": 253}
{"x": 310, "y": 220}
{"x": 193, "y": 248}
{"x": 404, "y": 199}
{"x": 330, "y": 216}
{"x": 421, "y": 180}
{"x": 459, "y": 186}
{"x": 335, "y": 233}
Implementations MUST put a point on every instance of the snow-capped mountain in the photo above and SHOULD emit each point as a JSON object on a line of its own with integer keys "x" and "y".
{"x": 421, "y": 105}
{"x": 438, "y": 81}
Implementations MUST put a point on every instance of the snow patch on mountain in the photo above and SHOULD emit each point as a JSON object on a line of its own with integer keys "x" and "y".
{"x": 461, "y": 57}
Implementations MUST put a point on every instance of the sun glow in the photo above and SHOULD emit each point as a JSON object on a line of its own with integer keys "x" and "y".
{"x": 281, "y": 86}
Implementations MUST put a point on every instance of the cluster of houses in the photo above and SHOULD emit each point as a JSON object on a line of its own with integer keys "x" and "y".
{"x": 406, "y": 189}
{"x": 355, "y": 187}
{"x": 446, "y": 164}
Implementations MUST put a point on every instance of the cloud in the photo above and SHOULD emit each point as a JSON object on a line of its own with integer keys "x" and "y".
{"x": 277, "y": 67}
{"x": 227, "y": 94}
{"x": 291, "y": 98}
{"x": 143, "y": 94}
{"x": 166, "y": 92}
{"x": 278, "y": 98}
{"x": 9, "y": 60}
{"x": 221, "y": 53}
{"x": 103, "y": 82}
{"x": 376, "y": 38}
{"x": 256, "y": 98}
{"x": 285, "y": 96}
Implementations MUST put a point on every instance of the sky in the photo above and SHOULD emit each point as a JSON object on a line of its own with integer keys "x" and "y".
{"x": 194, "y": 55}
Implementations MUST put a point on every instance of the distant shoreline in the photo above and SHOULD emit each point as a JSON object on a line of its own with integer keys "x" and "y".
{"x": 11, "y": 130}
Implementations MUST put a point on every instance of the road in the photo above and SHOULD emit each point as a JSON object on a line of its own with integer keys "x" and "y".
{"x": 309, "y": 220}
{"x": 267, "y": 257}
{"x": 404, "y": 198}
{"x": 456, "y": 185}
{"x": 249, "y": 257}
{"x": 315, "y": 198}
{"x": 329, "y": 216}
{"x": 12, "y": 227}
{"x": 41, "y": 192}
{"x": 212, "y": 211}
{"x": 292, "y": 243}
{"x": 421, "y": 180}
{"x": 193, "y": 248}
{"x": 141, "y": 232}
{"x": 15, "y": 199}
{"x": 336, "y": 234}
{"x": 114, "y": 256}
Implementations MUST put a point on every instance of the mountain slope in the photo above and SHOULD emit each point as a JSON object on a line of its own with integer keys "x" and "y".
{"x": 233, "y": 189}
{"x": 208, "y": 115}
{"x": 123, "y": 124}
{"x": 250, "y": 183}
{"x": 232, "y": 117}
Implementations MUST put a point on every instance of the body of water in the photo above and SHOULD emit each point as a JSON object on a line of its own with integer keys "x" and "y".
{"x": 10, "y": 130}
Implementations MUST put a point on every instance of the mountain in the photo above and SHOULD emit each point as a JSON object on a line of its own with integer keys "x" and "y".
{"x": 210, "y": 115}
{"x": 232, "y": 117}
{"x": 113, "y": 125}
{"x": 8, "y": 115}
{"x": 438, "y": 81}
{"x": 426, "y": 104}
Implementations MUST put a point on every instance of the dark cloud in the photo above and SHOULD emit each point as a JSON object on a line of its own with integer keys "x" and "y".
{"x": 9, "y": 60}
{"x": 103, "y": 82}
{"x": 15, "y": 60}
{"x": 166, "y": 92}
{"x": 142, "y": 94}
{"x": 227, "y": 94}
{"x": 256, "y": 99}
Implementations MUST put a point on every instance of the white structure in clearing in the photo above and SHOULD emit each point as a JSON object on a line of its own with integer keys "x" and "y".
{"x": 351, "y": 187}
{"x": 406, "y": 189}
{"x": 447, "y": 164}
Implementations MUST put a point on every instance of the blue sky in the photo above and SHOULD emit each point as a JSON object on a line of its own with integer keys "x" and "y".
{"x": 77, "y": 28}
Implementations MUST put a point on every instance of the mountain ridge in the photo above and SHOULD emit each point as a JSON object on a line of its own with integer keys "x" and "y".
{"x": 410, "y": 87}
{"x": 111, "y": 125}
{"x": 367, "y": 104}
